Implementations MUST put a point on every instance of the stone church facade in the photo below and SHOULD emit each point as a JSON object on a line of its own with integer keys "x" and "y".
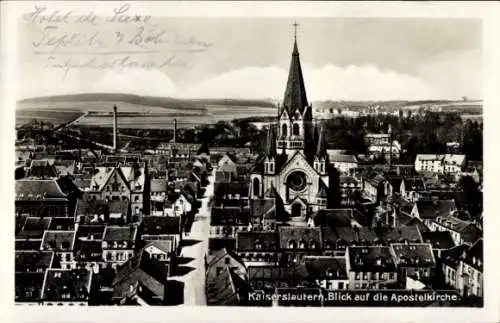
{"x": 295, "y": 164}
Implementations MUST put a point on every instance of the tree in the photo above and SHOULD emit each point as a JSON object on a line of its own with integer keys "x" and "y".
{"x": 468, "y": 195}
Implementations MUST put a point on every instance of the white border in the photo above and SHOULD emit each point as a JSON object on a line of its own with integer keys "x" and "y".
{"x": 487, "y": 11}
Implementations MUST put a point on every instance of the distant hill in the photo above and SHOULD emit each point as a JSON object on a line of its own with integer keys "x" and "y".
{"x": 165, "y": 102}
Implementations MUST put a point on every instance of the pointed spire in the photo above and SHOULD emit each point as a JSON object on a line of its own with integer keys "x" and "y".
{"x": 295, "y": 93}
{"x": 271, "y": 142}
{"x": 321, "y": 149}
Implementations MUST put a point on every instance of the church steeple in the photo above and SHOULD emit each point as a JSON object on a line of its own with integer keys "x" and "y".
{"x": 270, "y": 142}
{"x": 295, "y": 93}
{"x": 321, "y": 148}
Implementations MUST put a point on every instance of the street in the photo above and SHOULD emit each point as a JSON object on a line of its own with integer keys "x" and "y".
{"x": 195, "y": 250}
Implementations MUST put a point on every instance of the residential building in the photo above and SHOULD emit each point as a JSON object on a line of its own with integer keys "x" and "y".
{"x": 412, "y": 189}
{"x": 142, "y": 278}
{"x": 427, "y": 211}
{"x": 67, "y": 287}
{"x": 116, "y": 212}
{"x": 344, "y": 163}
{"x": 441, "y": 164}
{"x": 41, "y": 198}
{"x": 118, "y": 244}
{"x": 161, "y": 228}
{"x": 371, "y": 267}
{"x": 462, "y": 231}
{"x": 327, "y": 272}
{"x": 414, "y": 260}
{"x": 122, "y": 183}
{"x": 256, "y": 248}
{"x": 62, "y": 243}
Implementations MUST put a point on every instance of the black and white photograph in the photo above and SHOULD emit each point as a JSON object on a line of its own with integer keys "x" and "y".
{"x": 261, "y": 161}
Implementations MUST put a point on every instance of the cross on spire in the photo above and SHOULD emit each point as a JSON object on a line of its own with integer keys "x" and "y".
{"x": 295, "y": 25}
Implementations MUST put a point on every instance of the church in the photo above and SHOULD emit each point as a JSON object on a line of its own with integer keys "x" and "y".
{"x": 295, "y": 163}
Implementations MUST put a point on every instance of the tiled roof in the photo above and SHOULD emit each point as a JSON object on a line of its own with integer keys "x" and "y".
{"x": 74, "y": 283}
{"x": 221, "y": 189}
{"x": 42, "y": 169}
{"x": 371, "y": 259}
{"x": 34, "y": 228}
{"x": 418, "y": 223}
{"x": 366, "y": 234}
{"x": 140, "y": 270}
{"x": 166, "y": 245}
{"x": 89, "y": 250}
{"x": 307, "y": 235}
{"x": 86, "y": 231}
{"x": 259, "y": 207}
{"x": 269, "y": 273}
{"x": 323, "y": 190}
{"x": 32, "y": 244}
{"x": 246, "y": 241}
{"x": 28, "y": 286}
{"x": 413, "y": 254}
{"x": 336, "y": 158}
{"x": 439, "y": 239}
{"x": 100, "y": 207}
{"x": 38, "y": 189}
{"x": 335, "y": 217}
{"x": 157, "y": 225}
{"x": 414, "y": 184}
{"x": 220, "y": 289}
{"x": 62, "y": 224}
{"x": 58, "y": 240}
{"x": 29, "y": 261}
{"x": 433, "y": 209}
{"x": 408, "y": 233}
{"x": 325, "y": 267}
{"x": 120, "y": 233}
{"x": 158, "y": 185}
{"x": 228, "y": 216}
{"x": 65, "y": 167}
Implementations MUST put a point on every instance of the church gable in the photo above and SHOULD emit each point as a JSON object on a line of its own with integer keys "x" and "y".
{"x": 116, "y": 183}
{"x": 298, "y": 160}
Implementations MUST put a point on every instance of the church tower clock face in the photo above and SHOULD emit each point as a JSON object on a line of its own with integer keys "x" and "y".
{"x": 296, "y": 181}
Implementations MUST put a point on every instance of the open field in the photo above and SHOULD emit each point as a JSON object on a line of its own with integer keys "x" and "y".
{"x": 137, "y": 112}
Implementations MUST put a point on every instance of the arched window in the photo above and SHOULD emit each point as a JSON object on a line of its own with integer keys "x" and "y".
{"x": 302, "y": 244}
{"x": 296, "y": 129}
{"x": 291, "y": 244}
{"x": 284, "y": 130}
{"x": 256, "y": 187}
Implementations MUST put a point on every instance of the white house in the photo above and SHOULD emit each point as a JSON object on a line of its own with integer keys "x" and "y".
{"x": 178, "y": 204}
{"x": 343, "y": 163}
{"x": 440, "y": 164}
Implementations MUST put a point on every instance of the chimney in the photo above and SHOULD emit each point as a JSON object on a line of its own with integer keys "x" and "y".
{"x": 115, "y": 127}
{"x": 175, "y": 130}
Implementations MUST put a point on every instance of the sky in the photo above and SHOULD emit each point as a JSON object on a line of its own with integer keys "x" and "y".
{"x": 342, "y": 58}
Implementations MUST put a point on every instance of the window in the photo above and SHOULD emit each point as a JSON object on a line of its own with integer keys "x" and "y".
{"x": 341, "y": 285}
{"x": 357, "y": 276}
{"x": 227, "y": 260}
{"x": 136, "y": 198}
{"x": 296, "y": 129}
{"x": 284, "y": 130}
{"x": 256, "y": 187}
